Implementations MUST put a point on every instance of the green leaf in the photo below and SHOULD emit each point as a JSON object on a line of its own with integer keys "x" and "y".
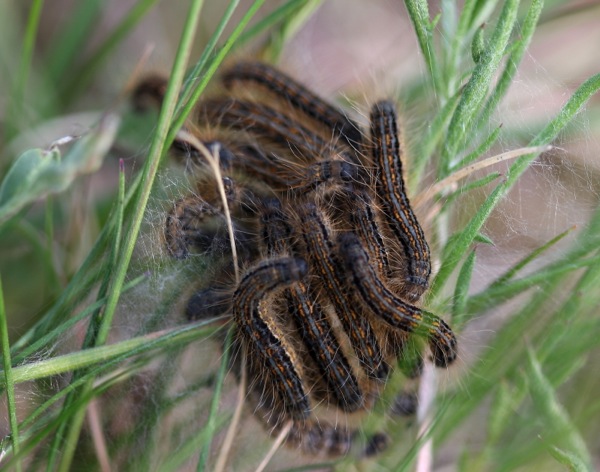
{"x": 38, "y": 173}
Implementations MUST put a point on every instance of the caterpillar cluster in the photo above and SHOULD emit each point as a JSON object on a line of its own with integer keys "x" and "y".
{"x": 333, "y": 258}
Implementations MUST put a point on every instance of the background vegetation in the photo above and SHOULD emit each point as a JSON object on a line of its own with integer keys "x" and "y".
{"x": 100, "y": 370}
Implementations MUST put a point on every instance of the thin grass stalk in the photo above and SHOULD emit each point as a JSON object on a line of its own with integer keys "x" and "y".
{"x": 557, "y": 419}
{"x": 18, "y": 95}
{"x": 279, "y": 14}
{"x": 418, "y": 11}
{"x": 188, "y": 85}
{"x": 211, "y": 69}
{"x": 97, "y": 320}
{"x": 9, "y": 381}
{"x": 42, "y": 431}
{"x": 485, "y": 146}
{"x": 53, "y": 335}
{"x": 513, "y": 61}
{"x": 546, "y": 136}
{"x": 157, "y": 149}
{"x": 290, "y": 25}
{"x": 455, "y": 49}
{"x": 40, "y": 246}
{"x": 72, "y": 37}
{"x": 73, "y": 428}
{"x": 211, "y": 423}
{"x": 80, "y": 80}
{"x": 96, "y": 324}
{"x": 476, "y": 89}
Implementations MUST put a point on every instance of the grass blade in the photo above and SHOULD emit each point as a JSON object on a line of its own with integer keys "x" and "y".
{"x": 18, "y": 94}
{"x": 513, "y": 61}
{"x": 78, "y": 81}
{"x": 510, "y": 273}
{"x": 72, "y": 39}
{"x": 9, "y": 381}
{"x": 461, "y": 291}
{"x": 556, "y": 418}
{"x": 98, "y": 355}
{"x": 459, "y": 245}
{"x": 568, "y": 459}
{"x": 418, "y": 10}
{"x": 197, "y": 90}
{"x": 211, "y": 424}
{"x": 476, "y": 89}
{"x": 157, "y": 149}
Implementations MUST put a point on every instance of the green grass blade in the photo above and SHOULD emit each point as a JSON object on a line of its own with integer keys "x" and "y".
{"x": 510, "y": 273}
{"x": 483, "y": 239}
{"x": 461, "y": 290}
{"x": 480, "y": 150}
{"x": 497, "y": 361}
{"x": 460, "y": 244}
{"x": 491, "y": 366}
{"x": 282, "y": 12}
{"x": 75, "y": 292}
{"x": 72, "y": 39}
{"x": 583, "y": 299}
{"x": 18, "y": 94}
{"x": 418, "y": 11}
{"x": 157, "y": 149}
{"x": 210, "y": 71}
{"x": 9, "y": 380}
{"x": 290, "y": 25}
{"x": 435, "y": 133}
{"x": 572, "y": 462}
{"x": 97, "y": 322}
{"x": 488, "y": 179}
{"x": 513, "y": 61}
{"x": 560, "y": 426}
{"x": 551, "y": 130}
{"x": 500, "y": 293}
{"x": 211, "y": 423}
{"x": 196, "y": 72}
{"x": 91, "y": 357}
{"x": 79, "y": 80}
{"x": 191, "y": 445}
{"x": 459, "y": 33}
{"x": 556, "y": 319}
{"x": 50, "y": 337}
{"x": 477, "y": 88}
{"x": 506, "y": 399}
{"x": 46, "y": 428}
{"x": 95, "y": 326}
{"x": 478, "y": 45}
